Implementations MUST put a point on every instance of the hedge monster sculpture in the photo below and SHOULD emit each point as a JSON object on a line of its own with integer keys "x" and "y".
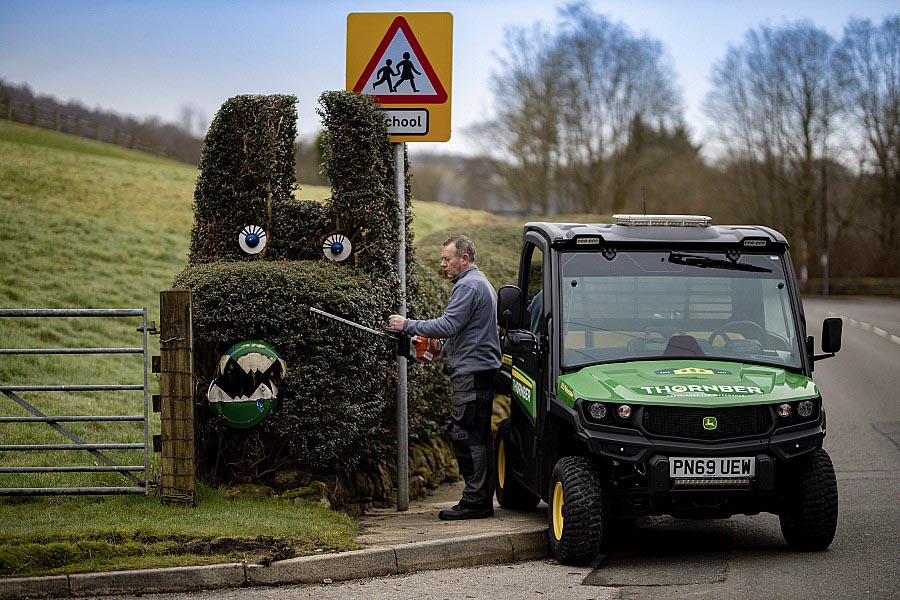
{"x": 335, "y": 403}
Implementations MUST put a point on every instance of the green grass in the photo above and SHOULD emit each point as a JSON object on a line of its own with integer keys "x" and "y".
{"x": 85, "y": 224}
{"x": 66, "y": 535}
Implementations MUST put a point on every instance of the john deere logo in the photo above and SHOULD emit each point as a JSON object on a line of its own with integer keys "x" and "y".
{"x": 710, "y": 423}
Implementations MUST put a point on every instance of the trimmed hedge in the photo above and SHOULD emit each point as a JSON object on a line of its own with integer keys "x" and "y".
{"x": 247, "y": 165}
{"x": 331, "y": 409}
{"x": 337, "y": 403}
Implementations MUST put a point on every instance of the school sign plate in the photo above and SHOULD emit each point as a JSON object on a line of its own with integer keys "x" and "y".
{"x": 405, "y": 61}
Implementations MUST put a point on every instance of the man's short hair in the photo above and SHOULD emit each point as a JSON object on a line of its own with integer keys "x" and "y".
{"x": 463, "y": 246}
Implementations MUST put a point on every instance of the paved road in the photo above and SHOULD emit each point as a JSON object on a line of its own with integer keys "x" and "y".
{"x": 742, "y": 557}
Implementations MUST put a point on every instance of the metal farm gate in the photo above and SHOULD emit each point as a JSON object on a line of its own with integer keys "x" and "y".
{"x": 136, "y": 476}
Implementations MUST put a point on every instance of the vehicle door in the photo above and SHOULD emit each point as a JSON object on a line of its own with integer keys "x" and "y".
{"x": 527, "y": 395}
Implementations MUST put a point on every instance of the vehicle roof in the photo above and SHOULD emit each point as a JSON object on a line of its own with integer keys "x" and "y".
{"x": 637, "y": 234}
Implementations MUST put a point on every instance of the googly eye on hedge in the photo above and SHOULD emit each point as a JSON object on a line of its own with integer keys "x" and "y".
{"x": 252, "y": 239}
{"x": 337, "y": 247}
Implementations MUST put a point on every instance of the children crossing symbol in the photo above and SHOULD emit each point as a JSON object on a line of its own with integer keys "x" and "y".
{"x": 404, "y": 62}
{"x": 399, "y": 71}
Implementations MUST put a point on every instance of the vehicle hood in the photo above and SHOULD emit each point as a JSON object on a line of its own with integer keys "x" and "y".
{"x": 699, "y": 383}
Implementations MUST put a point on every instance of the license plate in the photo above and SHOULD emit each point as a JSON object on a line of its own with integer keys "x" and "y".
{"x": 712, "y": 468}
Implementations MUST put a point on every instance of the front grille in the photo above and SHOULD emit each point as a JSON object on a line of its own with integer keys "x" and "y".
{"x": 687, "y": 422}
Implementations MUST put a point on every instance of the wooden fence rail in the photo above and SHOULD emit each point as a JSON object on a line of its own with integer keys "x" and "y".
{"x": 32, "y": 114}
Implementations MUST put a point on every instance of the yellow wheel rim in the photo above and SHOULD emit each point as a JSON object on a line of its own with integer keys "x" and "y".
{"x": 557, "y": 510}
{"x": 501, "y": 464}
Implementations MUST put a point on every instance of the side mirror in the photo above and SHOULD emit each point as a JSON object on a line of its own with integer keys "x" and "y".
{"x": 832, "y": 328}
{"x": 509, "y": 307}
{"x": 831, "y": 338}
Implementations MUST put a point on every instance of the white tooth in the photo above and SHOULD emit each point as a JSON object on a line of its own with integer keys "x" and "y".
{"x": 215, "y": 394}
{"x": 262, "y": 393}
{"x": 222, "y": 362}
{"x": 255, "y": 361}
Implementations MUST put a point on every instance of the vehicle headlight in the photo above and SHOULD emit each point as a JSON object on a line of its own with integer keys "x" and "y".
{"x": 806, "y": 408}
{"x": 784, "y": 411}
{"x": 597, "y": 410}
{"x": 624, "y": 411}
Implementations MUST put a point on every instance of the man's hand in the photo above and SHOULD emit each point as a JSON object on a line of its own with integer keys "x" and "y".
{"x": 396, "y": 322}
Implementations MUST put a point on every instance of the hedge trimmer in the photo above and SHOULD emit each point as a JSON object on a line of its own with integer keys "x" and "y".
{"x": 416, "y": 347}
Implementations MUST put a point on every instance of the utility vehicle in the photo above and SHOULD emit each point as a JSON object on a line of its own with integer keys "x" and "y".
{"x": 661, "y": 365}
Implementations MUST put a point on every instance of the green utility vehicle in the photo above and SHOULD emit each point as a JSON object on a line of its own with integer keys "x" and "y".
{"x": 661, "y": 365}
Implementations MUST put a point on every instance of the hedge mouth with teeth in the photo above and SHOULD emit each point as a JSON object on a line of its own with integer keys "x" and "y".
{"x": 249, "y": 372}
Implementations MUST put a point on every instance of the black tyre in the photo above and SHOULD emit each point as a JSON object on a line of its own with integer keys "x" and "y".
{"x": 575, "y": 514}
{"x": 809, "y": 519}
{"x": 510, "y": 493}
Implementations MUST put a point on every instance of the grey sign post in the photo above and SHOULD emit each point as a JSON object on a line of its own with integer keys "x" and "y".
{"x": 402, "y": 417}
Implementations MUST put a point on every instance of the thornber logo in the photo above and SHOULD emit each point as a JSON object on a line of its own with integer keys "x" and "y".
{"x": 672, "y": 390}
{"x": 523, "y": 389}
{"x": 710, "y": 423}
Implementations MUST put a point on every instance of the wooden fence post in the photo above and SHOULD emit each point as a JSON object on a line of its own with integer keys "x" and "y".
{"x": 176, "y": 386}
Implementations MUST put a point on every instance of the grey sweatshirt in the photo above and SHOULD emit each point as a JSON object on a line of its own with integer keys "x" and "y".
{"x": 469, "y": 324}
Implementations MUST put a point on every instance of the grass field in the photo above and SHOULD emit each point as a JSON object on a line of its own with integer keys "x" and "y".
{"x": 85, "y": 224}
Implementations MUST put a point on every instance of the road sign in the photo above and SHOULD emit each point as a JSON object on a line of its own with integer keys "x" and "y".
{"x": 405, "y": 61}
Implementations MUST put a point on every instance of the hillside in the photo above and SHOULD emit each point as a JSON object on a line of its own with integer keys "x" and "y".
{"x": 88, "y": 224}
{"x": 84, "y": 224}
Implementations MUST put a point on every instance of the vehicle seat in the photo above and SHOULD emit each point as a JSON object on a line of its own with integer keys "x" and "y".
{"x": 683, "y": 345}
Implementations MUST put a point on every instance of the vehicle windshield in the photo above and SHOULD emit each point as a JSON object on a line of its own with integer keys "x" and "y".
{"x": 639, "y": 305}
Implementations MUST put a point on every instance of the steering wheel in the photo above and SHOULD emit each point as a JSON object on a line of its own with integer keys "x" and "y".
{"x": 724, "y": 329}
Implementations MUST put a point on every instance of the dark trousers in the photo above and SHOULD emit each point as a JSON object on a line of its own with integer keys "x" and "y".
{"x": 473, "y": 399}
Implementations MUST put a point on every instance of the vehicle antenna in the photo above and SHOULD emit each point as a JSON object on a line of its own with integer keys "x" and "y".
{"x": 644, "y": 192}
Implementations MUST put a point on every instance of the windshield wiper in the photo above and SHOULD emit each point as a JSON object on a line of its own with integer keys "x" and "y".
{"x": 705, "y": 262}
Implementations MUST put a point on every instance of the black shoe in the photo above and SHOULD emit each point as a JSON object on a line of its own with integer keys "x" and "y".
{"x": 458, "y": 513}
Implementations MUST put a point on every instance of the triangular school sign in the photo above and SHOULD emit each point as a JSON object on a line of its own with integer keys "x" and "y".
{"x": 399, "y": 71}
{"x": 405, "y": 62}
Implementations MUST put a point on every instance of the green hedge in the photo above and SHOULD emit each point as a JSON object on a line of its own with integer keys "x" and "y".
{"x": 332, "y": 410}
{"x": 337, "y": 405}
{"x": 247, "y": 165}
{"x": 497, "y": 250}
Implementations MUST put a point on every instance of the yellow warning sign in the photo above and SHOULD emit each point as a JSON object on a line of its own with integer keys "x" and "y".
{"x": 404, "y": 60}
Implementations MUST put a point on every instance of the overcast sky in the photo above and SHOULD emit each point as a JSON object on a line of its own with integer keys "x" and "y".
{"x": 153, "y": 57}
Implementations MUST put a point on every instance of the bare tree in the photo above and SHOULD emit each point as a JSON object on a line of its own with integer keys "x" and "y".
{"x": 869, "y": 62}
{"x": 565, "y": 103}
{"x": 775, "y": 99}
{"x": 610, "y": 78}
{"x": 525, "y": 132}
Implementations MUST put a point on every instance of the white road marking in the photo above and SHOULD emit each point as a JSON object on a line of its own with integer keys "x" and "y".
{"x": 867, "y": 327}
